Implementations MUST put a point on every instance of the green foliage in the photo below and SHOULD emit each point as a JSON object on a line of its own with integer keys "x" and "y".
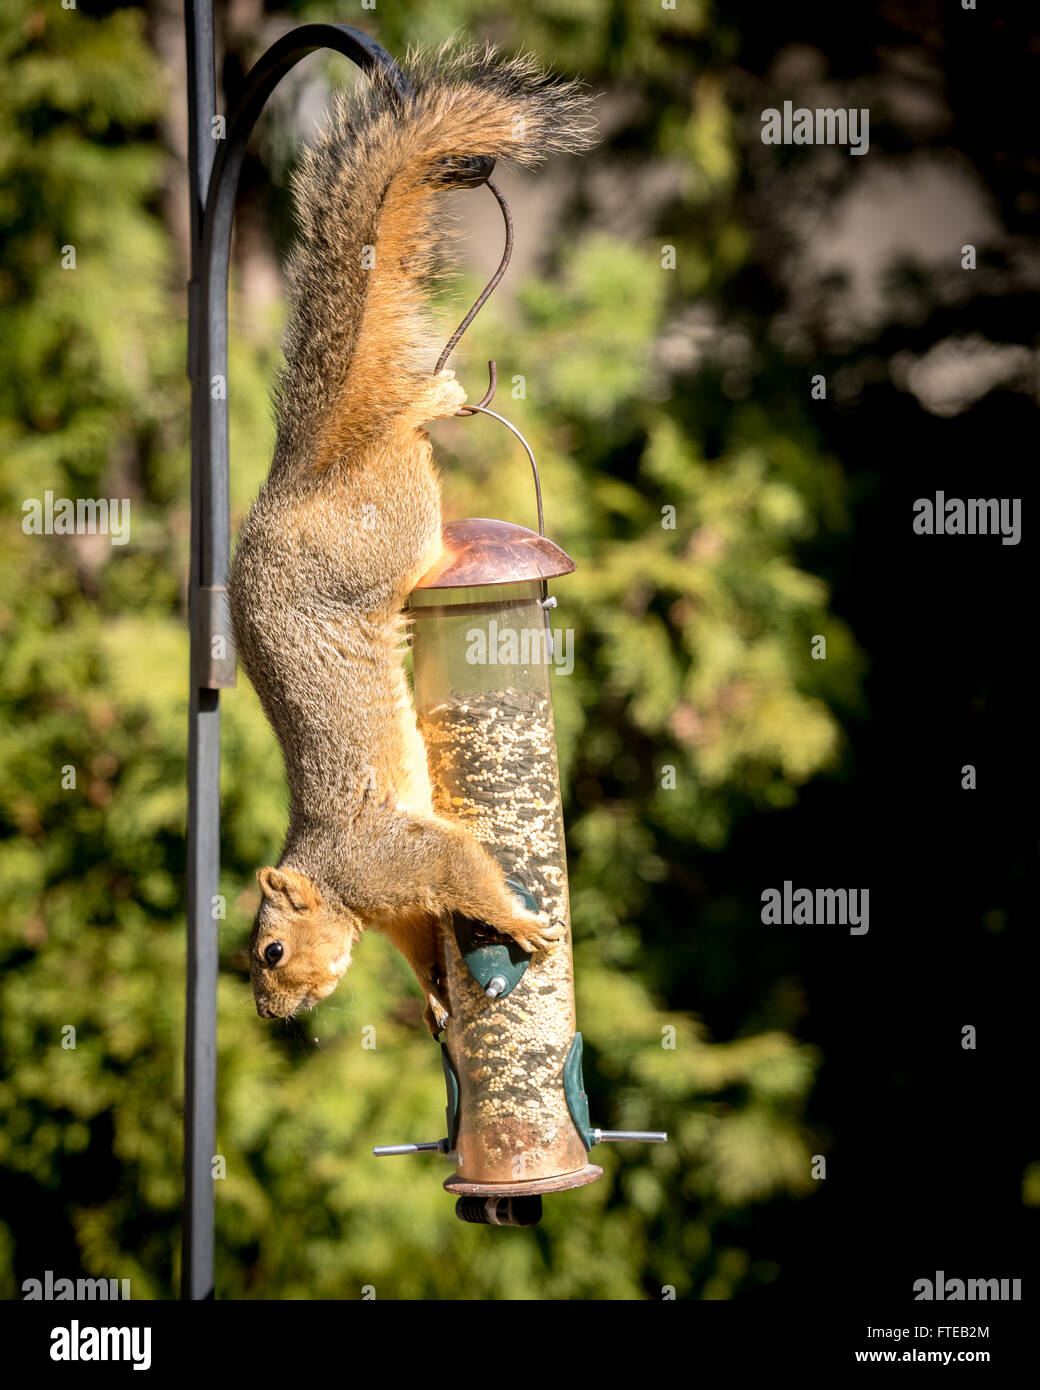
{"x": 692, "y": 646}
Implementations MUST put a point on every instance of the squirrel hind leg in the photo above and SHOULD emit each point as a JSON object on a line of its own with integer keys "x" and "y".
{"x": 414, "y": 934}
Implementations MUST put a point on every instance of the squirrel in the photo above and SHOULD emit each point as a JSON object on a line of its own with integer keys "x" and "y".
{"x": 349, "y": 519}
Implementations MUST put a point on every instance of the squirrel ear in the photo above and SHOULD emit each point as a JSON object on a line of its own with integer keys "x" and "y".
{"x": 288, "y": 886}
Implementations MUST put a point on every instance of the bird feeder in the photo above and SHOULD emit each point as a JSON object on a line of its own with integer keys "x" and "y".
{"x": 517, "y": 1114}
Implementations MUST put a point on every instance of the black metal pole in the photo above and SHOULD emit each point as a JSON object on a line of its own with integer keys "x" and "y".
{"x": 214, "y": 165}
{"x": 200, "y": 1060}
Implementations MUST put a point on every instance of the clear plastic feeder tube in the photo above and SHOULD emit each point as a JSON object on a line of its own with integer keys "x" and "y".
{"x": 482, "y": 668}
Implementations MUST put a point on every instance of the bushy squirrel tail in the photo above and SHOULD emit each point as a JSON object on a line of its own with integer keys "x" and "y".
{"x": 360, "y": 278}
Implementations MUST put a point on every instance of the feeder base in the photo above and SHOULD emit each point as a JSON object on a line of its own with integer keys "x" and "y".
{"x": 535, "y": 1187}
{"x": 499, "y": 1211}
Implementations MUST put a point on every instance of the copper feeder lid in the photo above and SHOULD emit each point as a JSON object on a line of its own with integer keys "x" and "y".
{"x": 481, "y": 551}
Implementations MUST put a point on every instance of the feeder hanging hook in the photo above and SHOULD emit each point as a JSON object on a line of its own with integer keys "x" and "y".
{"x": 481, "y": 301}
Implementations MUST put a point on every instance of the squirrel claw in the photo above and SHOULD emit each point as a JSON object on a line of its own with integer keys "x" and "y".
{"x": 435, "y": 1016}
{"x": 541, "y": 933}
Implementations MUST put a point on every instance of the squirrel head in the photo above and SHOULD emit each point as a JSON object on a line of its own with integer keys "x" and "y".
{"x": 301, "y": 944}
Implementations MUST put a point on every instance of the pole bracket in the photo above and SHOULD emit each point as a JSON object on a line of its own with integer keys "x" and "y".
{"x": 214, "y": 646}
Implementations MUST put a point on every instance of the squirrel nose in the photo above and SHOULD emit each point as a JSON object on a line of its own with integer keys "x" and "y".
{"x": 264, "y": 1012}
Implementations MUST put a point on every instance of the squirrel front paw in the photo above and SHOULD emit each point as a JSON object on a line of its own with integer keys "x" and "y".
{"x": 534, "y": 931}
{"x": 440, "y": 397}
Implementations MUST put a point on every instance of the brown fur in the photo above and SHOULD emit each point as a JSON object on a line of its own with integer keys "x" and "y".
{"x": 349, "y": 520}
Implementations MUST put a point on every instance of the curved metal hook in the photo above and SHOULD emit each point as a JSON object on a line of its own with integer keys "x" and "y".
{"x": 478, "y": 305}
{"x": 530, "y": 454}
{"x": 547, "y": 602}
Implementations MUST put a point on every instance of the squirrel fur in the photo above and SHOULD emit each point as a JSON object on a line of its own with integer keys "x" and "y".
{"x": 349, "y": 519}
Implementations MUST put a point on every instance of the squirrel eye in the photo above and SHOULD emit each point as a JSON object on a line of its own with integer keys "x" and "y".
{"x": 274, "y": 953}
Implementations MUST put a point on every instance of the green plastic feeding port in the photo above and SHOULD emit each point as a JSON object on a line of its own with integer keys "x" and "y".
{"x": 495, "y": 962}
{"x": 574, "y": 1089}
{"x": 578, "y": 1104}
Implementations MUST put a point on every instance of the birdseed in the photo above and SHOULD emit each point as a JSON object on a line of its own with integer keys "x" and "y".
{"x": 492, "y": 760}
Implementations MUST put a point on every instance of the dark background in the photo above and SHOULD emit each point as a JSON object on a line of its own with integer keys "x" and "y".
{"x": 930, "y": 1141}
